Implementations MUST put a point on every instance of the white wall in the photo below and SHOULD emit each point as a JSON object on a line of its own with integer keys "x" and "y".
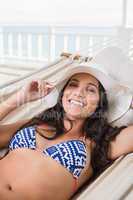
{"x": 78, "y": 12}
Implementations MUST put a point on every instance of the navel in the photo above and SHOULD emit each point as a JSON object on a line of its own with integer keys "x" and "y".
{"x": 9, "y": 187}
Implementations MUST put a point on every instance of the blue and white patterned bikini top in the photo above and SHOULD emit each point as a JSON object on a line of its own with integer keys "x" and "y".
{"x": 71, "y": 154}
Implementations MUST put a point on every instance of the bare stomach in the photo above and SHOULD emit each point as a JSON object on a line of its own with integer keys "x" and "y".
{"x": 28, "y": 175}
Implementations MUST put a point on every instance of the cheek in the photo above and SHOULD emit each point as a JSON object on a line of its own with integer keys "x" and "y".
{"x": 64, "y": 99}
{"x": 90, "y": 108}
{"x": 66, "y": 94}
{"x": 92, "y": 102}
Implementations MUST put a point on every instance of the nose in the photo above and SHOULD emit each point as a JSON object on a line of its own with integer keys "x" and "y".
{"x": 80, "y": 92}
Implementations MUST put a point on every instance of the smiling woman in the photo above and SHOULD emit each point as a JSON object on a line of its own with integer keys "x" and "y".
{"x": 81, "y": 96}
{"x": 69, "y": 142}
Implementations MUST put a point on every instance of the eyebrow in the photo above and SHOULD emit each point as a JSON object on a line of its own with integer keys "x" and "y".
{"x": 87, "y": 84}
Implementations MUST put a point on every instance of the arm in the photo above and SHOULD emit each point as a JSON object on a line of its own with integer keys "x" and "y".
{"x": 122, "y": 144}
{"x": 7, "y": 131}
{"x": 8, "y": 105}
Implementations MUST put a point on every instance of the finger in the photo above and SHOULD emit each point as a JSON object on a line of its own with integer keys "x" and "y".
{"x": 42, "y": 87}
{"x": 51, "y": 84}
{"x": 34, "y": 84}
{"x": 45, "y": 87}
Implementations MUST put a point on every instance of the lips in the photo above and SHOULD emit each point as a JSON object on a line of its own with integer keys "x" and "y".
{"x": 76, "y": 102}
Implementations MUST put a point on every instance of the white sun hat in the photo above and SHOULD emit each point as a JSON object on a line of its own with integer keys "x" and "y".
{"x": 118, "y": 64}
{"x": 119, "y": 97}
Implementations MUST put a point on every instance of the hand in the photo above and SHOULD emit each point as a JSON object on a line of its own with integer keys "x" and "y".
{"x": 34, "y": 90}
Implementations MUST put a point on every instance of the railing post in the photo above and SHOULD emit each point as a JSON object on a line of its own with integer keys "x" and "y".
{"x": 20, "y": 53}
{"x": 65, "y": 43}
{"x": 77, "y": 43}
{"x": 29, "y": 45}
{"x": 40, "y": 42}
{"x": 52, "y": 44}
{"x": 10, "y": 44}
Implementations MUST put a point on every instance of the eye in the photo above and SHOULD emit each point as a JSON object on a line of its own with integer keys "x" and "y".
{"x": 90, "y": 89}
{"x": 72, "y": 84}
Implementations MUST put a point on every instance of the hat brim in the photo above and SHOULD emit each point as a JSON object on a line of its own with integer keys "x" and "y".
{"x": 119, "y": 97}
{"x": 93, "y": 70}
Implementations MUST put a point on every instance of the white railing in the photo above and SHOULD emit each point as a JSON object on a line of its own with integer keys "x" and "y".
{"x": 43, "y": 43}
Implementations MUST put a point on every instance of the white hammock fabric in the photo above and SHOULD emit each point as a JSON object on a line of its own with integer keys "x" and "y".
{"x": 50, "y": 73}
{"x": 33, "y": 108}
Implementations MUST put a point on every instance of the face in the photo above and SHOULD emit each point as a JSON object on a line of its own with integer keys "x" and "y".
{"x": 81, "y": 96}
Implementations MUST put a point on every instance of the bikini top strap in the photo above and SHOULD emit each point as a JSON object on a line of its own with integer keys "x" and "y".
{"x": 84, "y": 138}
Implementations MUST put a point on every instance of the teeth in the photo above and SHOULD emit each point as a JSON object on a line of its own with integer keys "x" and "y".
{"x": 76, "y": 102}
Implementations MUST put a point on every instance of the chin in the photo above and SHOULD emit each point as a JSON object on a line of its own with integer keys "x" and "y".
{"x": 75, "y": 116}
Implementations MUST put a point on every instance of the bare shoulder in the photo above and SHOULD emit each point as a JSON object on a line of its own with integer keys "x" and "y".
{"x": 122, "y": 144}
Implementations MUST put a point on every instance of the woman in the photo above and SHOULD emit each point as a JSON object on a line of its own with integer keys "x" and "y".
{"x": 53, "y": 154}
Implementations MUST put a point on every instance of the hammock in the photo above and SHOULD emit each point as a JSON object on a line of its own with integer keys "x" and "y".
{"x": 50, "y": 73}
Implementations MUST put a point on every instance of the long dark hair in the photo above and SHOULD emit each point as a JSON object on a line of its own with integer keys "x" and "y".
{"x": 95, "y": 126}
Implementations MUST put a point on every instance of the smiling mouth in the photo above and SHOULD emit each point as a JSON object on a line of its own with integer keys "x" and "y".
{"x": 77, "y": 103}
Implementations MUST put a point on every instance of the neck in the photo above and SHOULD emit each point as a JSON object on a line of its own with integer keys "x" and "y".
{"x": 76, "y": 129}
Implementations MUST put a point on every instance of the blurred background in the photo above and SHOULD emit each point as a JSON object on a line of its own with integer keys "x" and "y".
{"x": 35, "y": 32}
